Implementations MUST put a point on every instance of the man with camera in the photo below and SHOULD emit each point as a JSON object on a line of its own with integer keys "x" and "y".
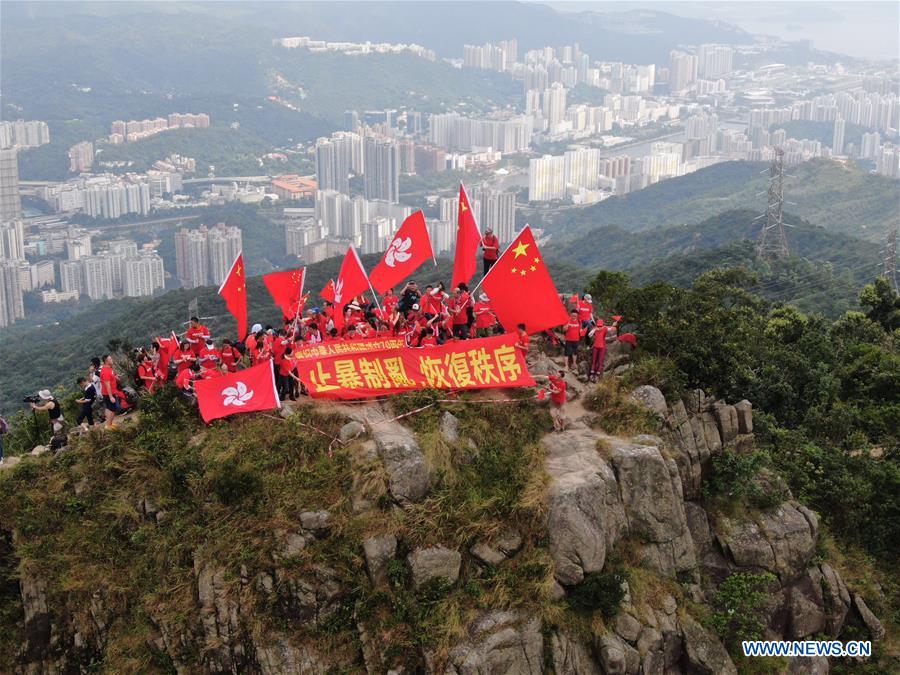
{"x": 45, "y": 401}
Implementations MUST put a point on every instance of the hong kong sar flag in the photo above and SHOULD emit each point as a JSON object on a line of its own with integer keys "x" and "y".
{"x": 409, "y": 248}
{"x": 249, "y": 390}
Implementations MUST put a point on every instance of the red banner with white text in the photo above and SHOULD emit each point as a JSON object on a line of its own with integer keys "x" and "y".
{"x": 468, "y": 364}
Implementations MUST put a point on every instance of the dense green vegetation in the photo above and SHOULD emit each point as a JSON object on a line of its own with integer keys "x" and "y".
{"x": 840, "y": 198}
{"x": 828, "y": 392}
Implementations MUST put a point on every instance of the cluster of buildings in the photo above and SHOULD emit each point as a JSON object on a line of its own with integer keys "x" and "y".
{"x": 122, "y": 269}
{"x": 354, "y": 48}
{"x": 203, "y": 256}
{"x": 110, "y": 195}
{"x": 23, "y": 134}
{"x": 135, "y": 130}
{"x": 81, "y": 157}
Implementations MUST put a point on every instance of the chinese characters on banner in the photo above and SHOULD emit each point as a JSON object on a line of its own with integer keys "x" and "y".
{"x": 470, "y": 364}
{"x": 335, "y": 348}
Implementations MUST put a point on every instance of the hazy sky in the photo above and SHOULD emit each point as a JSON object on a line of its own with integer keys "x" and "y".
{"x": 861, "y": 29}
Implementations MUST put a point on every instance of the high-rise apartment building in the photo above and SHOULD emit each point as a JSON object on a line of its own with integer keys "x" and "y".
{"x": 837, "y": 139}
{"x": 24, "y": 134}
{"x": 70, "y": 278}
{"x": 143, "y": 274}
{"x": 97, "y": 278}
{"x": 191, "y": 257}
{"x": 381, "y": 173}
{"x": 12, "y": 306}
{"x": 449, "y": 209}
{"x": 714, "y": 60}
{"x": 81, "y": 157}
{"x": 498, "y": 212}
{"x": 10, "y": 204}
{"x": 553, "y": 104}
{"x": 225, "y": 242}
{"x": 12, "y": 240}
{"x": 682, "y": 70}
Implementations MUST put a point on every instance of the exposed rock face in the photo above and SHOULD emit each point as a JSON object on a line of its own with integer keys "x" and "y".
{"x": 570, "y": 657}
{"x": 408, "y": 476}
{"x": 703, "y": 653}
{"x": 379, "y": 551}
{"x": 651, "y": 398}
{"x": 586, "y": 516}
{"x": 502, "y": 548}
{"x": 502, "y": 643}
{"x": 781, "y": 541}
{"x": 876, "y": 630}
{"x": 449, "y": 427}
{"x": 434, "y": 563}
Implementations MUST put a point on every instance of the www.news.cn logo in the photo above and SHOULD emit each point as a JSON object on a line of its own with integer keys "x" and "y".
{"x": 786, "y": 648}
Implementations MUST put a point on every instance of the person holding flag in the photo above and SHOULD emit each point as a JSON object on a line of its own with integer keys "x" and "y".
{"x": 490, "y": 249}
{"x": 468, "y": 239}
{"x": 521, "y": 289}
{"x": 351, "y": 281}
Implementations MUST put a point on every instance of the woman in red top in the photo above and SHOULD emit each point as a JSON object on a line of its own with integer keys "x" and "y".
{"x": 598, "y": 351}
{"x": 230, "y": 356}
{"x": 558, "y": 399}
{"x": 147, "y": 374}
{"x": 389, "y": 301}
{"x": 484, "y": 316}
{"x": 183, "y": 356}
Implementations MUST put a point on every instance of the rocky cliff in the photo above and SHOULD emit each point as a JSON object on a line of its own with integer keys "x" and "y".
{"x": 459, "y": 539}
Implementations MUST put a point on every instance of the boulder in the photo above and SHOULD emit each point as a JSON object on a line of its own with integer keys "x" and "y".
{"x": 500, "y": 643}
{"x": 703, "y": 653}
{"x": 651, "y": 398}
{"x": 570, "y": 657}
{"x": 585, "y": 515}
{"x": 408, "y": 476}
{"x": 627, "y": 627}
{"x": 806, "y": 615}
{"x": 39, "y": 450}
{"x": 836, "y": 599}
{"x": 782, "y": 540}
{"x": 616, "y": 657}
{"x": 876, "y": 630}
{"x": 683, "y": 446}
{"x": 436, "y": 562}
{"x": 744, "y": 411}
{"x": 449, "y": 427}
{"x": 727, "y": 421}
{"x": 350, "y": 431}
{"x": 316, "y": 522}
{"x": 379, "y": 551}
{"x": 503, "y": 547}
{"x": 711, "y": 432}
{"x": 369, "y": 484}
{"x": 651, "y": 494}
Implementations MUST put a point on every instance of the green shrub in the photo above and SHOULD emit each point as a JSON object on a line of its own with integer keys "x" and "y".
{"x": 736, "y": 608}
{"x": 234, "y": 484}
{"x": 598, "y": 592}
{"x": 743, "y": 478}
{"x": 618, "y": 413}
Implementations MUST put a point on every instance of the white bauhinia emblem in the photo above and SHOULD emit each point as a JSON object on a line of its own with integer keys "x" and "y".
{"x": 398, "y": 252}
{"x": 237, "y": 395}
{"x": 338, "y": 291}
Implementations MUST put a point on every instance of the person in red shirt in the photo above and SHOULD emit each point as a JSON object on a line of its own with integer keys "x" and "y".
{"x": 113, "y": 397}
{"x": 459, "y": 307}
{"x": 230, "y": 356}
{"x": 208, "y": 356}
{"x": 524, "y": 341}
{"x": 197, "y": 334}
{"x": 490, "y": 247}
{"x": 585, "y": 309}
{"x": 558, "y": 399}
{"x": 183, "y": 356}
{"x": 573, "y": 334}
{"x": 389, "y": 302}
{"x": 147, "y": 374}
{"x": 427, "y": 338}
{"x": 185, "y": 379}
{"x": 598, "y": 351}
{"x": 287, "y": 384}
{"x": 485, "y": 320}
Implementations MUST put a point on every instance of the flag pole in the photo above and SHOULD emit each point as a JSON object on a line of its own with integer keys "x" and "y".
{"x": 527, "y": 227}
{"x": 359, "y": 262}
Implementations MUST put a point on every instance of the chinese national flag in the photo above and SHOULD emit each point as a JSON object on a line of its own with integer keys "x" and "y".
{"x": 350, "y": 282}
{"x": 248, "y": 390}
{"x": 327, "y": 293}
{"x": 467, "y": 240}
{"x": 234, "y": 290}
{"x": 521, "y": 290}
{"x": 409, "y": 248}
{"x": 286, "y": 289}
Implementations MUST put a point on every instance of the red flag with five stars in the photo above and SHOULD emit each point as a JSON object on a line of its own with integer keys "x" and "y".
{"x": 468, "y": 238}
{"x": 286, "y": 289}
{"x": 521, "y": 289}
{"x": 327, "y": 293}
{"x": 234, "y": 290}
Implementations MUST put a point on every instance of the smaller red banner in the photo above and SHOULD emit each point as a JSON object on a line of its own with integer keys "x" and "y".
{"x": 468, "y": 364}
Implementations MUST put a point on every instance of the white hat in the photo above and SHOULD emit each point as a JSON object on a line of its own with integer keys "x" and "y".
{"x": 45, "y": 394}
{"x": 256, "y": 328}
{"x": 483, "y": 297}
{"x": 416, "y": 307}
{"x": 587, "y": 296}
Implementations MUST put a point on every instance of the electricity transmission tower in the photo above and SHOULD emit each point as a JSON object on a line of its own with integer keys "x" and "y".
{"x": 890, "y": 260}
{"x": 772, "y": 242}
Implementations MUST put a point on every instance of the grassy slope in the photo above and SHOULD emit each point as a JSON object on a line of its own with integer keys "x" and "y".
{"x": 840, "y": 199}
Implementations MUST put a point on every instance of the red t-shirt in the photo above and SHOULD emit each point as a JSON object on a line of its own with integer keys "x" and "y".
{"x": 484, "y": 315}
{"x": 288, "y": 363}
{"x": 573, "y": 331}
{"x": 523, "y": 343}
{"x": 184, "y": 358}
{"x": 585, "y": 310}
{"x": 431, "y": 304}
{"x": 490, "y": 240}
{"x": 460, "y": 315}
{"x": 108, "y": 381}
{"x": 147, "y": 375}
{"x": 390, "y": 303}
{"x": 197, "y": 337}
{"x": 429, "y": 341}
{"x": 208, "y": 356}
{"x": 559, "y": 384}
{"x": 278, "y": 347}
{"x": 184, "y": 379}
{"x": 230, "y": 357}
{"x": 600, "y": 337}
{"x": 210, "y": 373}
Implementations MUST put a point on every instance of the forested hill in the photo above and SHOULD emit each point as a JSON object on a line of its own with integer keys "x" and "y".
{"x": 840, "y": 198}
